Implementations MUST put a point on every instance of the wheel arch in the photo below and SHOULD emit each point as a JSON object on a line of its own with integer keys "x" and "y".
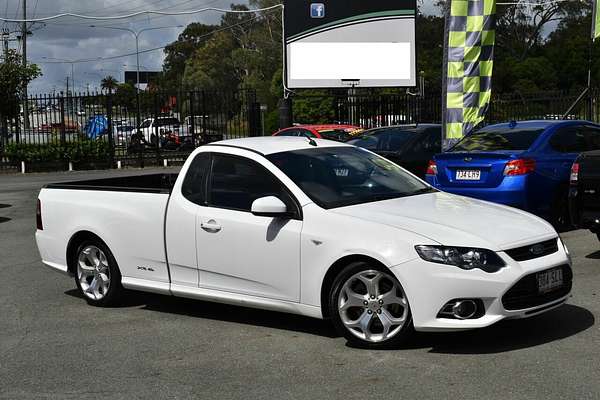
{"x": 78, "y": 238}
{"x": 335, "y": 269}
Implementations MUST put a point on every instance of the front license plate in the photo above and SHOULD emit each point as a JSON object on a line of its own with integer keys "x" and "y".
{"x": 549, "y": 280}
{"x": 468, "y": 175}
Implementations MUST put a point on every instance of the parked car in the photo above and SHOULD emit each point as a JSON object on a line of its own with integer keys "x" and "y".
{"x": 206, "y": 129}
{"x": 521, "y": 164}
{"x": 584, "y": 195}
{"x": 122, "y": 133}
{"x": 340, "y": 133}
{"x": 166, "y": 126}
{"x": 317, "y": 228}
{"x": 410, "y": 146}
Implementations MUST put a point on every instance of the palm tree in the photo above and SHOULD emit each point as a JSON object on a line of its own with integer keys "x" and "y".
{"x": 109, "y": 83}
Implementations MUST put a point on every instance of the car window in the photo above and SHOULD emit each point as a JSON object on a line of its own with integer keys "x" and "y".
{"x": 492, "y": 139}
{"x": 167, "y": 121}
{"x": 194, "y": 184}
{"x": 342, "y": 176}
{"x": 369, "y": 142}
{"x": 146, "y": 123}
{"x": 306, "y": 133}
{"x": 339, "y": 135}
{"x": 592, "y": 138}
{"x": 288, "y": 132}
{"x": 236, "y": 182}
{"x": 569, "y": 140}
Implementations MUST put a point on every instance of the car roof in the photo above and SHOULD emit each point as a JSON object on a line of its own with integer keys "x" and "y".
{"x": 537, "y": 124}
{"x": 318, "y": 127}
{"x": 405, "y": 127}
{"x": 276, "y": 144}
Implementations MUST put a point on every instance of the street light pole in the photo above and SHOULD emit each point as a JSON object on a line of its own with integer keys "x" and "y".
{"x": 137, "y": 34}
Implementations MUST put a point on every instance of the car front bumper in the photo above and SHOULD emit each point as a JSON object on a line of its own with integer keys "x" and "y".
{"x": 429, "y": 286}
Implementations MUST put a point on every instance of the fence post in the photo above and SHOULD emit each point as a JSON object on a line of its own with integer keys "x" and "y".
{"x": 204, "y": 116}
{"x": 111, "y": 139}
{"x": 286, "y": 115}
{"x": 156, "y": 132}
{"x": 63, "y": 137}
{"x": 192, "y": 125}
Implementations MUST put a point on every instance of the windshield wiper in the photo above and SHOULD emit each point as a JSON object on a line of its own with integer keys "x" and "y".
{"x": 423, "y": 191}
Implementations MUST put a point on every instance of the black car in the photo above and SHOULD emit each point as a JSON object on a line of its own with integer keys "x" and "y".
{"x": 584, "y": 193}
{"x": 410, "y": 146}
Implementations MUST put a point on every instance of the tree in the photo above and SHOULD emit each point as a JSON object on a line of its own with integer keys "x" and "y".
{"x": 109, "y": 83}
{"x": 193, "y": 37}
{"x": 13, "y": 77}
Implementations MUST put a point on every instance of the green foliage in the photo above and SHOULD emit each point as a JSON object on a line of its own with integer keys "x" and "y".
{"x": 109, "y": 83}
{"x": 83, "y": 150}
{"x": 13, "y": 77}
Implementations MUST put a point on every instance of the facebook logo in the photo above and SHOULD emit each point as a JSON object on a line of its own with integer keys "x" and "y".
{"x": 317, "y": 10}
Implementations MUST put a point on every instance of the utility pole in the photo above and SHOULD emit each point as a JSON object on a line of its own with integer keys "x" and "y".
{"x": 24, "y": 45}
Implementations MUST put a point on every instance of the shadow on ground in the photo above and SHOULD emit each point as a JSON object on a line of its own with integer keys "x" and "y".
{"x": 4, "y": 219}
{"x": 5, "y": 205}
{"x": 561, "y": 323}
{"x": 594, "y": 256}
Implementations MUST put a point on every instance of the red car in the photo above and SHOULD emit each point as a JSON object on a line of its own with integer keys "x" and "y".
{"x": 341, "y": 133}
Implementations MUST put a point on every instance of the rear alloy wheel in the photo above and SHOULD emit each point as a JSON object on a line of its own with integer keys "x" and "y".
{"x": 369, "y": 307}
{"x": 97, "y": 275}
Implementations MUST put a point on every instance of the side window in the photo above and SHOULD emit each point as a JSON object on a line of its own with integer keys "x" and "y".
{"x": 305, "y": 132}
{"x": 194, "y": 184}
{"x": 236, "y": 182}
{"x": 568, "y": 140}
{"x": 434, "y": 140}
{"x": 289, "y": 132}
{"x": 592, "y": 138}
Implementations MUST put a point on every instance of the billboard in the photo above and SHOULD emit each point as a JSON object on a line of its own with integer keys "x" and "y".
{"x": 146, "y": 77}
{"x": 338, "y": 43}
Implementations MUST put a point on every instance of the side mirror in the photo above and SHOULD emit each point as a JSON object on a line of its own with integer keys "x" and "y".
{"x": 270, "y": 206}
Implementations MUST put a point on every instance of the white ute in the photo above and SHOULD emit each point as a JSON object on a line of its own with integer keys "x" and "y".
{"x": 312, "y": 227}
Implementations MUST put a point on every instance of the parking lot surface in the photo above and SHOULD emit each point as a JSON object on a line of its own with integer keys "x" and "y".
{"x": 53, "y": 345}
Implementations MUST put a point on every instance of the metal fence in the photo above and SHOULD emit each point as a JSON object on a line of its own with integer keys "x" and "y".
{"x": 104, "y": 130}
{"x": 371, "y": 110}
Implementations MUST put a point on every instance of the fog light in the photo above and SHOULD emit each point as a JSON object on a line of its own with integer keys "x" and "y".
{"x": 464, "y": 309}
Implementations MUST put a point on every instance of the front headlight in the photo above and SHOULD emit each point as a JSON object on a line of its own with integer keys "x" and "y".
{"x": 566, "y": 251}
{"x": 462, "y": 257}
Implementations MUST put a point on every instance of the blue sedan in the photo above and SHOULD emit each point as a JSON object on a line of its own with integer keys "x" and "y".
{"x": 521, "y": 164}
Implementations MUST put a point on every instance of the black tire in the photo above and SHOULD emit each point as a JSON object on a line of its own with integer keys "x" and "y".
{"x": 350, "y": 271}
{"x": 115, "y": 290}
{"x": 561, "y": 218}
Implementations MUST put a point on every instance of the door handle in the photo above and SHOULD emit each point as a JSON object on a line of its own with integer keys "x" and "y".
{"x": 210, "y": 226}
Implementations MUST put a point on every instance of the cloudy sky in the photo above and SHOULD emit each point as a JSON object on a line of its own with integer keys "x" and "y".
{"x": 74, "y": 39}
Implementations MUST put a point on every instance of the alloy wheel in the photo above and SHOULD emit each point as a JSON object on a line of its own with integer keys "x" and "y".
{"x": 93, "y": 272}
{"x": 373, "y": 306}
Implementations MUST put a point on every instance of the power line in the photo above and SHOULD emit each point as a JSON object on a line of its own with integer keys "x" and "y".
{"x": 135, "y": 14}
{"x": 129, "y": 22}
{"x": 151, "y": 49}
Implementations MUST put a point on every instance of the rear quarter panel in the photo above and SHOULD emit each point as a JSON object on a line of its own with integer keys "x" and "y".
{"x": 131, "y": 225}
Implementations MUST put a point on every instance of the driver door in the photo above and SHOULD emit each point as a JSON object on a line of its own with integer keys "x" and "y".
{"x": 240, "y": 252}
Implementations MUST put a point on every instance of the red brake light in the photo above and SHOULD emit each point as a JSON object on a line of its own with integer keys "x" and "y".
{"x": 519, "y": 167}
{"x": 38, "y": 216}
{"x": 575, "y": 173}
{"x": 431, "y": 168}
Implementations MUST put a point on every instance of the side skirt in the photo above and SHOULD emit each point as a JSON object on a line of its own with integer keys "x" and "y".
{"x": 222, "y": 297}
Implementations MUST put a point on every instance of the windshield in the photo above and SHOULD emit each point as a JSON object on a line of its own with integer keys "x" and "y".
{"x": 342, "y": 176}
{"x": 498, "y": 139}
{"x": 167, "y": 121}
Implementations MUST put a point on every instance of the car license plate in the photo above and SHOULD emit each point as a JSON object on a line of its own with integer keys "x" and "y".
{"x": 549, "y": 280}
{"x": 468, "y": 175}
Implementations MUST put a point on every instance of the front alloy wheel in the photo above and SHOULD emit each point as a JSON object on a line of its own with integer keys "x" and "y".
{"x": 371, "y": 308}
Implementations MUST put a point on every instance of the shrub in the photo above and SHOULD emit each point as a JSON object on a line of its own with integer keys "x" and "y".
{"x": 88, "y": 150}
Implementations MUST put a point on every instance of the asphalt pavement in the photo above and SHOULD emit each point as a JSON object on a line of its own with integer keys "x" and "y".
{"x": 53, "y": 345}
